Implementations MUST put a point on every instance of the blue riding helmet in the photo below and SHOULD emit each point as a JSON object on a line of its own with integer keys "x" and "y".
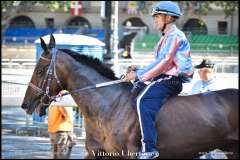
{"x": 168, "y": 8}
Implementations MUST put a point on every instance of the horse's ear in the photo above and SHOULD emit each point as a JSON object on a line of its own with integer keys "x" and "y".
{"x": 51, "y": 42}
{"x": 43, "y": 45}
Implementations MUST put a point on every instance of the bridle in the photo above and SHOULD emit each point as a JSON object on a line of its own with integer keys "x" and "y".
{"x": 51, "y": 73}
{"x": 48, "y": 79}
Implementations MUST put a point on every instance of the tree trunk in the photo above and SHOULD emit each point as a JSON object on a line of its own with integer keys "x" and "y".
{"x": 107, "y": 26}
{"x": 231, "y": 25}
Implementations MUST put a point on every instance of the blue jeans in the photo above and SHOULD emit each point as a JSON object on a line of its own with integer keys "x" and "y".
{"x": 149, "y": 102}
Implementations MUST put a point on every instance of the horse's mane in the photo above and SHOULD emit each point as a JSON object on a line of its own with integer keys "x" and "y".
{"x": 93, "y": 63}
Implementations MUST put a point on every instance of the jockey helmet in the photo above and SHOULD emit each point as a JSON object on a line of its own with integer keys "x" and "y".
{"x": 168, "y": 8}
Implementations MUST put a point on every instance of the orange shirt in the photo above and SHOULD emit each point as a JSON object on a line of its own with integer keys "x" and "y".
{"x": 60, "y": 119}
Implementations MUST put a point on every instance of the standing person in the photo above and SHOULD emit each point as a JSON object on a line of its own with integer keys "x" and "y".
{"x": 60, "y": 128}
{"x": 164, "y": 77}
{"x": 207, "y": 80}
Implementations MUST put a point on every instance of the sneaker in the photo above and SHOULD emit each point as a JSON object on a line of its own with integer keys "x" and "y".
{"x": 215, "y": 154}
{"x": 148, "y": 155}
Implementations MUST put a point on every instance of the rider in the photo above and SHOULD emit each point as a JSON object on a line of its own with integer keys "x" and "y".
{"x": 164, "y": 77}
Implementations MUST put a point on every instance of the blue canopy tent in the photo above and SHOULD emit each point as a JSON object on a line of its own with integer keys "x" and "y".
{"x": 79, "y": 43}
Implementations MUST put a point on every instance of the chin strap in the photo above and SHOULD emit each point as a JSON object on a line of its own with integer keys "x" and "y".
{"x": 164, "y": 26}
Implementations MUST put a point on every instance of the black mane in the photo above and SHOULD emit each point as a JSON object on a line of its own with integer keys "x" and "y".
{"x": 92, "y": 62}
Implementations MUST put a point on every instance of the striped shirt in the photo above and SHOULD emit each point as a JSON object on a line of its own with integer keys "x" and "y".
{"x": 172, "y": 56}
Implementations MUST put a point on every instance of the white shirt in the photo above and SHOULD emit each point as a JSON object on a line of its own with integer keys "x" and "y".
{"x": 201, "y": 86}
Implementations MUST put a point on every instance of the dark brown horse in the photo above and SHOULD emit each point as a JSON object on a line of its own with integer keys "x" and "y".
{"x": 187, "y": 125}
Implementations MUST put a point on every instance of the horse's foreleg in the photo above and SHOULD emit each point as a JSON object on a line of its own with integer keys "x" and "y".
{"x": 127, "y": 144}
{"x": 231, "y": 149}
{"x": 93, "y": 147}
{"x": 89, "y": 157}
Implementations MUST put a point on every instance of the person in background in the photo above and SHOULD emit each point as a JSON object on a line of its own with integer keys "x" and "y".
{"x": 207, "y": 81}
{"x": 60, "y": 129}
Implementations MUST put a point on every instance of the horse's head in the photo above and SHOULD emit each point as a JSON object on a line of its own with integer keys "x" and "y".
{"x": 44, "y": 83}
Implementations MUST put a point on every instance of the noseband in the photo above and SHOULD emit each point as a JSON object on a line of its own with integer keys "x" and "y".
{"x": 51, "y": 73}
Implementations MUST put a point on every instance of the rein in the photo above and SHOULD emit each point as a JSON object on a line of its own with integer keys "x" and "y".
{"x": 52, "y": 71}
{"x": 92, "y": 87}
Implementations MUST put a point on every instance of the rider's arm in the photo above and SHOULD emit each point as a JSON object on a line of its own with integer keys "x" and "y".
{"x": 63, "y": 112}
{"x": 163, "y": 62}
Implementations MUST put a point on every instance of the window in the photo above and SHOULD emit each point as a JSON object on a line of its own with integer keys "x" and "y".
{"x": 22, "y": 22}
{"x": 49, "y": 22}
{"x": 79, "y": 22}
{"x": 222, "y": 27}
{"x": 195, "y": 26}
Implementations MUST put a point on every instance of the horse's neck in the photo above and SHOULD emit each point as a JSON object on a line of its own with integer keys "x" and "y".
{"x": 92, "y": 102}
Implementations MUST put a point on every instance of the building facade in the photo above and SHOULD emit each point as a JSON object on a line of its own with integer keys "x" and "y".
{"x": 41, "y": 17}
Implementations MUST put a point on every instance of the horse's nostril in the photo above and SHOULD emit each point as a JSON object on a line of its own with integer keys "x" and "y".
{"x": 24, "y": 105}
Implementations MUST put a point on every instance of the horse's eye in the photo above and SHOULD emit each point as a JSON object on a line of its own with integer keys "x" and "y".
{"x": 42, "y": 69}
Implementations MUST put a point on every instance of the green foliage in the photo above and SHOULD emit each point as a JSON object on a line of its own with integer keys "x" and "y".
{"x": 55, "y": 5}
{"x": 229, "y": 6}
{"x": 203, "y": 7}
{"x": 10, "y": 8}
{"x": 52, "y": 5}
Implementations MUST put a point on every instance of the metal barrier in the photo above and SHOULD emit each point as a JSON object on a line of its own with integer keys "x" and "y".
{"x": 11, "y": 65}
{"x": 13, "y": 91}
{"x": 18, "y": 63}
{"x": 223, "y": 64}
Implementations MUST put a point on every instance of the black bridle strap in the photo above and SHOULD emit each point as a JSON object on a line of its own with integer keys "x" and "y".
{"x": 48, "y": 77}
{"x": 52, "y": 70}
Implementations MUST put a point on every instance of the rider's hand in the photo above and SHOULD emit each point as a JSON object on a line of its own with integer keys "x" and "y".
{"x": 130, "y": 76}
{"x": 131, "y": 68}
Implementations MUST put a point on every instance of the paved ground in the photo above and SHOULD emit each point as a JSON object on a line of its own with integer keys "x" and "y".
{"x": 29, "y": 147}
{"x": 19, "y": 141}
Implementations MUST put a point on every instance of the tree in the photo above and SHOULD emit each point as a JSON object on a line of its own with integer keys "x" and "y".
{"x": 200, "y": 7}
{"x": 203, "y": 7}
{"x": 229, "y": 7}
{"x": 12, "y": 7}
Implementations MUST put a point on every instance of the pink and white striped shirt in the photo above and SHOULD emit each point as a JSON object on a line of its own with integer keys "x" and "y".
{"x": 172, "y": 56}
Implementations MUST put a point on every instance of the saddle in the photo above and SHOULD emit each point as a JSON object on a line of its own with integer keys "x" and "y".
{"x": 138, "y": 86}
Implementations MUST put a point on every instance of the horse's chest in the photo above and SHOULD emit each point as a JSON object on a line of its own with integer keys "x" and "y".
{"x": 109, "y": 137}
{"x": 112, "y": 142}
